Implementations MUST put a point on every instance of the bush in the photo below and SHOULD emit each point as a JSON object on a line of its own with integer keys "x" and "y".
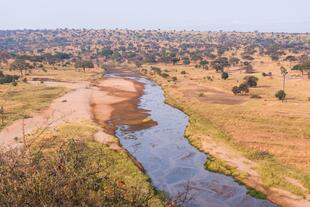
{"x": 251, "y": 81}
{"x": 241, "y": 89}
{"x": 280, "y": 95}
{"x": 225, "y": 75}
{"x": 174, "y": 79}
{"x": 183, "y": 72}
{"x": 155, "y": 70}
{"x": 267, "y": 74}
{"x": 75, "y": 174}
{"x": 164, "y": 75}
{"x": 8, "y": 79}
{"x": 236, "y": 90}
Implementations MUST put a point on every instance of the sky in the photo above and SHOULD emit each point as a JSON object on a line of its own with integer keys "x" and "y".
{"x": 201, "y": 15}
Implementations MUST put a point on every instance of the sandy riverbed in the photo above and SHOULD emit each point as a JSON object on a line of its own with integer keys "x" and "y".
{"x": 84, "y": 101}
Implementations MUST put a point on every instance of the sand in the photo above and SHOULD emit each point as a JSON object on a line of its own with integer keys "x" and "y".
{"x": 76, "y": 105}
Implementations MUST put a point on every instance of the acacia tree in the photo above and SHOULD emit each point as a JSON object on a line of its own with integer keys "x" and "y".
{"x": 20, "y": 65}
{"x": 84, "y": 64}
{"x": 220, "y": 63}
{"x": 304, "y": 67}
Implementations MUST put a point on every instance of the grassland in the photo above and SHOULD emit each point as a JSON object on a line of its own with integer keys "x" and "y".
{"x": 67, "y": 73}
{"x": 272, "y": 134}
{"x": 24, "y": 99}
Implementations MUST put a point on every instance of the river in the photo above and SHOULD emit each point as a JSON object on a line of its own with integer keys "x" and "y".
{"x": 172, "y": 163}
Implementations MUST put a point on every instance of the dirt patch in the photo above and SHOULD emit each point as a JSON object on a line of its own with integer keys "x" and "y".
{"x": 62, "y": 110}
{"x": 214, "y": 96}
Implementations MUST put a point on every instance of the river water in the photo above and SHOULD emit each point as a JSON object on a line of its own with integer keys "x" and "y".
{"x": 173, "y": 164}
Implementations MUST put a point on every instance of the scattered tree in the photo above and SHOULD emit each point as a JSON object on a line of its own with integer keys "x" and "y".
{"x": 250, "y": 80}
{"x": 84, "y": 64}
{"x": 20, "y": 65}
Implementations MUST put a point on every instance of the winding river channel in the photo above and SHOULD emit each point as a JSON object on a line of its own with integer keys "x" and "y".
{"x": 172, "y": 163}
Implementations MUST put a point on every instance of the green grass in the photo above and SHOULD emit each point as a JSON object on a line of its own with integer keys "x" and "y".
{"x": 256, "y": 194}
{"x": 220, "y": 166}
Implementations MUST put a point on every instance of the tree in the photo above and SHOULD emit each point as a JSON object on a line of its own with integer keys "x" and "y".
{"x": 241, "y": 89}
{"x": 244, "y": 88}
{"x": 20, "y": 65}
{"x": 305, "y": 66}
{"x": 219, "y": 64}
{"x": 284, "y": 72}
{"x": 107, "y": 52}
{"x": 300, "y": 68}
{"x": 251, "y": 80}
{"x": 234, "y": 61}
{"x": 62, "y": 56}
{"x": 84, "y": 64}
{"x": 225, "y": 75}
{"x": 204, "y": 64}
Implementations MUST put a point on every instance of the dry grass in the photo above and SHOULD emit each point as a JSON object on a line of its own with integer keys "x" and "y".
{"x": 252, "y": 125}
{"x": 60, "y": 73}
{"x": 67, "y": 74}
{"x": 24, "y": 99}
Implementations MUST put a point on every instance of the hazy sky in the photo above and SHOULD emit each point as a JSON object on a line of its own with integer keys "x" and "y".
{"x": 240, "y": 15}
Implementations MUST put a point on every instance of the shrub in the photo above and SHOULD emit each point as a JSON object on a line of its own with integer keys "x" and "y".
{"x": 183, "y": 72}
{"x": 267, "y": 74}
{"x": 244, "y": 88}
{"x": 236, "y": 90}
{"x": 8, "y": 79}
{"x": 164, "y": 75}
{"x": 280, "y": 95}
{"x": 250, "y": 80}
{"x": 225, "y": 75}
{"x": 174, "y": 78}
{"x": 156, "y": 70}
{"x": 75, "y": 174}
{"x": 241, "y": 89}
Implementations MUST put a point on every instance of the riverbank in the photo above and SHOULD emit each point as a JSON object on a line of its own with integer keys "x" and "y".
{"x": 207, "y": 136}
{"x": 83, "y": 114}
